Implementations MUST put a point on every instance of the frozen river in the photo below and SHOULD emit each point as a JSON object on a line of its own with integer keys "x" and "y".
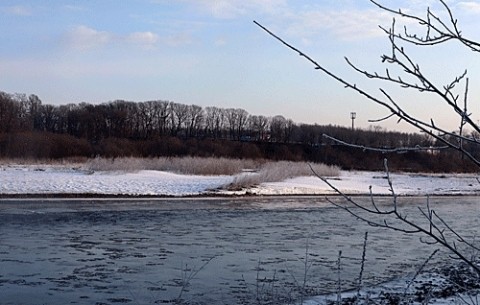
{"x": 202, "y": 251}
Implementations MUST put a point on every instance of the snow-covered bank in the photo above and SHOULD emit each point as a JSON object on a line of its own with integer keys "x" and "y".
{"x": 57, "y": 180}
{"x": 45, "y": 179}
{"x": 359, "y": 183}
{"x": 440, "y": 285}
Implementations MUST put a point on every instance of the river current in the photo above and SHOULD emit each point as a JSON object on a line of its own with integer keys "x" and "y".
{"x": 203, "y": 251}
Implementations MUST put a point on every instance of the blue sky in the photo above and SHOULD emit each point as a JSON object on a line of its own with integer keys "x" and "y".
{"x": 209, "y": 53}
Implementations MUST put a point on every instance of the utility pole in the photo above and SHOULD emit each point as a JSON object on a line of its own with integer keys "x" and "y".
{"x": 353, "y": 116}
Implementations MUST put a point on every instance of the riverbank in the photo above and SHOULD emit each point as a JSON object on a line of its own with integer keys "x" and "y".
{"x": 47, "y": 181}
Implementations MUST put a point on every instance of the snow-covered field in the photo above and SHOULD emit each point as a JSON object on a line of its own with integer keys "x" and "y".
{"x": 48, "y": 179}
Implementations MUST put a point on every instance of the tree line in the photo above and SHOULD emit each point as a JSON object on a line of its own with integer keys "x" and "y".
{"x": 32, "y": 129}
{"x": 138, "y": 120}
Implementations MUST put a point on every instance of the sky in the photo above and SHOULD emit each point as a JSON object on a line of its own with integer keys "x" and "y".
{"x": 210, "y": 53}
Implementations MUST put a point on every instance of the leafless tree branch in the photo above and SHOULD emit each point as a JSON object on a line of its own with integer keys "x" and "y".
{"x": 434, "y": 229}
{"x": 431, "y": 228}
{"x": 437, "y": 30}
{"x": 384, "y": 150}
{"x": 428, "y": 127}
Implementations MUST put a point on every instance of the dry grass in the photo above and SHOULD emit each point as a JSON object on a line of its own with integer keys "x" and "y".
{"x": 279, "y": 171}
{"x": 184, "y": 165}
{"x": 34, "y": 161}
{"x": 248, "y": 172}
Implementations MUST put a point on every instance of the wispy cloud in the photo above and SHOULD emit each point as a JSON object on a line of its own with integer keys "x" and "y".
{"x": 178, "y": 39}
{"x": 345, "y": 25}
{"x": 73, "y": 8}
{"x": 146, "y": 39}
{"x": 224, "y": 9}
{"x": 470, "y": 6}
{"x": 229, "y": 9}
{"x": 303, "y": 21}
{"x": 220, "y": 41}
{"x": 17, "y": 10}
{"x": 85, "y": 38}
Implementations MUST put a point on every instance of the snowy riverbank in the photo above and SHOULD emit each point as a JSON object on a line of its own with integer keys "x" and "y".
{"x": 58, "y": 180}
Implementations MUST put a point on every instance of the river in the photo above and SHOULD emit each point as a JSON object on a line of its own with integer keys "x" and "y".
{"x": 202, "y": 251}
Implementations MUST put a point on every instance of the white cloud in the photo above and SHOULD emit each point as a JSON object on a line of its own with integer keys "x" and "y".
{"x": 225, "y": 9}
{"x": 229, "y": 9}
{"x": 178, "y": 39}
{"x": 17, "y": 10}
{"x": 470, "y": 6}
{"x": 73, "y": 8}
{"x": 85, "y": 38}
{"x": 304, "y": 21}
{"x": 345, "y": 25}
{"x": 220, "y": 41}
{"x": 142, "y": 38}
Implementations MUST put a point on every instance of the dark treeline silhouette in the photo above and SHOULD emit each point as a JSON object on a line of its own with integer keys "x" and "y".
{"x": 31, "y": 129}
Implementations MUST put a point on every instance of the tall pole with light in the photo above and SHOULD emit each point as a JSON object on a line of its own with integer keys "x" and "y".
{"x": 353, "y": 116}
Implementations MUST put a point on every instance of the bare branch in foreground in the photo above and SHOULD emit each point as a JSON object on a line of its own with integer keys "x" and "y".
{"x": 431, "y": 227}
{"x": 442, "y": 135}
{"x": 434, "y": 228}
{"x": 386, "y": 150}
{"x": 437, "y": 30}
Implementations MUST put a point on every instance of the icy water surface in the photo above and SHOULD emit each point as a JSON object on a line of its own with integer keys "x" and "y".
{"x": 199, "y": 251}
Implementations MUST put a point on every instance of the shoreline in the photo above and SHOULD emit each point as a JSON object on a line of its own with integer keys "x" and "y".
{"x": 206, "y": 196}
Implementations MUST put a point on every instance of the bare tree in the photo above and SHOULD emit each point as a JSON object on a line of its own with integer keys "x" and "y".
{"x": 49, "y": 118}
{"x": 437, "y": 30}
{"x": 9, "y": 113}
{"x": 242, "y": 116}
{"x": 161, "y": 115}
{"x": 277, "y": 127}
{"x": 237, "y": 121}
{"x": 178, "y": 117}
{"x": 259, "y": 126}
{"x": 195, "y": 120}
{"x": 214, "y": 121}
